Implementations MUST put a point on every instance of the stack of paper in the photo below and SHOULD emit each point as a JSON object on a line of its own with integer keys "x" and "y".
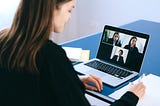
{"x": 77, "y": 54}
{"x": 152, "y": 94}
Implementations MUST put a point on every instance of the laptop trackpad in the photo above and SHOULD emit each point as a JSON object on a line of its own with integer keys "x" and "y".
{"x": 95, "y": 72}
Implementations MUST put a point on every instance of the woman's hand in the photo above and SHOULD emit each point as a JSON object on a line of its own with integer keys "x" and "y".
{"x": 92, "y": 79}
{"x": 138, "y": 89}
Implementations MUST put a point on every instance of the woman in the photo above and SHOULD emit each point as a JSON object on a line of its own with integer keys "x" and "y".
{"x": 133, "y": 57}
{"x": 115, "y": 40}
{"x": 34, "y": 70}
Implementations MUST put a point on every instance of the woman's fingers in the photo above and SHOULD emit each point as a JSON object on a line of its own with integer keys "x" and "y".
{"x": 87, "y": 80}
{"x": 99, "y": 82}
{"x": 91, "y": 87}
{"x": 138, "y": 89}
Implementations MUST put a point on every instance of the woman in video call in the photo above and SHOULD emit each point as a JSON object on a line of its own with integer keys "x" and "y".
{"x": 35, "y": 71}
{"x": 132, "y": 57}
{"x": 115, "y": 40}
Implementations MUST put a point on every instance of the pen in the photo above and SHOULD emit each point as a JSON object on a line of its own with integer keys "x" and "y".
{"x": 141, "y": 77}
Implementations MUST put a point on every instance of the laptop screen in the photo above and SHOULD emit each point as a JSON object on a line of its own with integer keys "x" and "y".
{"x": 123, "y": 47}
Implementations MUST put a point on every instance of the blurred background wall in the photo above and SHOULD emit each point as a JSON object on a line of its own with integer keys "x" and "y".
{"x": 90, "y": 16}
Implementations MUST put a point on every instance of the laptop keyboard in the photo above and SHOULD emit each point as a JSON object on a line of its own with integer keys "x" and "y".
{"x": 117, "y": 72}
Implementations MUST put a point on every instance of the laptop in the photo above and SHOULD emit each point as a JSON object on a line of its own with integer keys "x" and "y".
{"x": 119, "y": 57}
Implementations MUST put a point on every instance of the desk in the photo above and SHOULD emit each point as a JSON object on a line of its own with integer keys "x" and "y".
{"x": 152, "y": 57}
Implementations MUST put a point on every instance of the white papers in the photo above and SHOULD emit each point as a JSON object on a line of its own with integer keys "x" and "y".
{"x": 95, "y": 101}
{"x": 73, "y": 53}
{"x": 77, "y": 54}
{"x": 152, "y": 95}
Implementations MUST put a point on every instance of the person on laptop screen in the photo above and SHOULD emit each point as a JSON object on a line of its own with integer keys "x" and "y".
{"x": 115, "y": 40}
{"x": 35, "y": 71}
{"x": 132, "y": 58}
{"x": 118, "y": 58}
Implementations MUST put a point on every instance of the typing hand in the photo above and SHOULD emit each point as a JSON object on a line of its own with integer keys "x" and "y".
{"x": 92, "y": 79}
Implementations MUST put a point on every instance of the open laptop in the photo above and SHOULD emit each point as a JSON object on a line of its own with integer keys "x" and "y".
{"x": 117, "y": 60}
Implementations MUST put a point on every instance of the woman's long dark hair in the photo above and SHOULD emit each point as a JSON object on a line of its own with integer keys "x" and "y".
{"x": 131, "y": 40}
{"x": 31, "y": 27}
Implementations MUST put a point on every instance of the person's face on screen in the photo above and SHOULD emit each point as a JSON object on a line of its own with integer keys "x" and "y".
{"x": 62, "y": 14}
{"x": 116, "y": 36}
{"x": 119, "y": 53}
{"x": 133, "y": 42}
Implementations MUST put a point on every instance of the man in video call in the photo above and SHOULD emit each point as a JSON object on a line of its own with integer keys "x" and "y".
{"x": 118, "y": 58}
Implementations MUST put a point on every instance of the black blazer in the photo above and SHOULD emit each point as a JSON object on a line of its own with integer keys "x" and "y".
{"x": 120, "y": 61}
{"x": 133, "y": 58}
{"x": 117, "y": 43}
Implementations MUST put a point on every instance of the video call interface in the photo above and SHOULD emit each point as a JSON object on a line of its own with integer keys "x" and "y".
{"x": 122, "y": 49}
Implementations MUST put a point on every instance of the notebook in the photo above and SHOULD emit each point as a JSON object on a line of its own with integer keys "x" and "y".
{"x": 119, "y": 57}
{"x": 151, "y": 96}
